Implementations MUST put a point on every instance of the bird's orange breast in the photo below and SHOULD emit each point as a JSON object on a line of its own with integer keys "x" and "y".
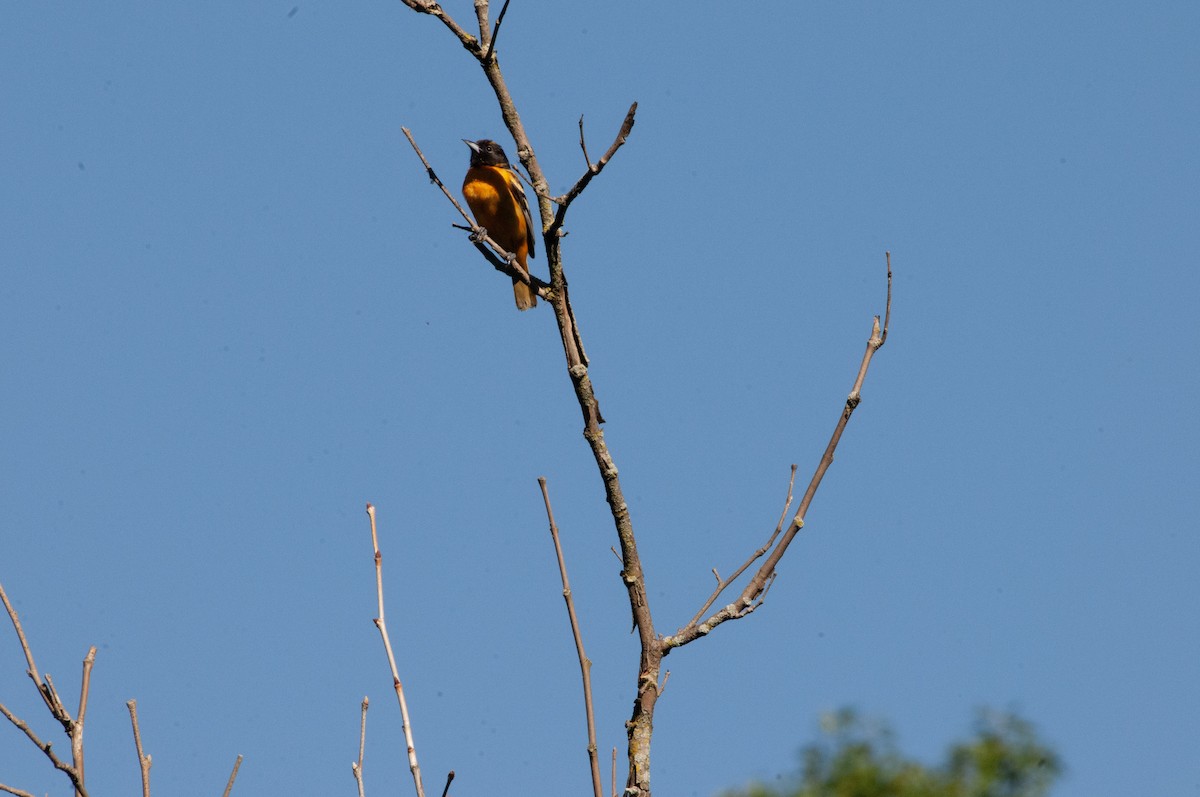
{"x": 488, "y": 193}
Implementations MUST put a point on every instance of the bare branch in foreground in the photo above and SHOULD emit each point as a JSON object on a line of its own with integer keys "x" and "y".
{"x": 232, "y": 776}
{"x": 143, "y": 759}
{"x": 585, "y": 665}
{"x": 357, "y": 766}
{"x": 381, "y": 624}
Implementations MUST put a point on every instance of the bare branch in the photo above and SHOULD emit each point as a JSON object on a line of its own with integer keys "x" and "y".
{"x": 752, "y": 594}
{"x": 143, "y": 759}
{"x": 357, "y": 766}
{"x": 593, "y": 169}
{"x": 585, "y": 665}
{"x": 887, "y": 315}
{"x": 722, "y": 585}
{"x": 46, "y": 691}
{"x": 381, "y": 624}
{"x": 434, "y": 10}
{"x": 449, "y": 780}
{"x": 45, "y": 747}
{"x": 232, "y": 776}
{"x": 55, "y": 705}
{"x": 12, "y": 615}
{"x": 491, "y": 45}
{"x": 16, "y": 791}
{"x": 76, "y": 731}
{"x": 583, "y": 146}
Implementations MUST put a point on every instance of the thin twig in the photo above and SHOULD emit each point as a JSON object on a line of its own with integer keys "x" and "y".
{"x": 357, "y": 766}
{"x": 12, "y": 615}
{"x": 614, "y": 772}
{"x": 491, "y": 45}
{"x": 449, "y": 780}
{"x": 143, "y": 759}
{"x": 723, "y": 584}
{"x": 585, "y": 665}
{"x": 433, "y": 178}
{"x": 887, "y": 316}
{"x": 16, "y": 791}
{"x": 232, "y": 776}
{"x": 381, "y": 624}
{"x": 583, "y": 146}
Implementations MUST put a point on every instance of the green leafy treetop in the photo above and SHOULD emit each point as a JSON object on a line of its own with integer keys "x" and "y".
{"x": 857, "y": 758}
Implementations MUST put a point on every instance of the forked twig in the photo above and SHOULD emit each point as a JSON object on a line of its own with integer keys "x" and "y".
{"x": 49, "y": 695}
{"x": 593, "y": 169}
{"x": 585, "y": 665}
{"x": 491, "y": 47}
{"x": 381, "y": 624}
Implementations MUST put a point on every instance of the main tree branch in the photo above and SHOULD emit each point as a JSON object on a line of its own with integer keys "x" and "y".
{"x": 653, "y": 648}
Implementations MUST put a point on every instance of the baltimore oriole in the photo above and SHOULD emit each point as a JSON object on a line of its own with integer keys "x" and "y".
{"x": 497, "y": 198}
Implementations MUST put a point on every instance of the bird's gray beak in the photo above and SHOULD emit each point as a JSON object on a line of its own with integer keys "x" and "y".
{"x": 474, "y": 147}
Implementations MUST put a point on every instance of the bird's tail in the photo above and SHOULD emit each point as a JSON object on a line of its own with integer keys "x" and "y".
{"x": 525, "y": 295}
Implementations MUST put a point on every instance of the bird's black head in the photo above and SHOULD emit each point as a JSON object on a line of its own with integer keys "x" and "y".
{"x": 486, "y": 152}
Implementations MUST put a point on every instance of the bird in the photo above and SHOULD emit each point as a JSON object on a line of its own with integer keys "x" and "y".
{"x": 495, "y": 195}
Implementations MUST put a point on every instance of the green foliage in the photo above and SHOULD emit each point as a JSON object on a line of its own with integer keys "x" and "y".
{"x": 857, "y": 758}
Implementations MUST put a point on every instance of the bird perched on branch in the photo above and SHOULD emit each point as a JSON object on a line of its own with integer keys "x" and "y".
{"x": 493, "y": 190}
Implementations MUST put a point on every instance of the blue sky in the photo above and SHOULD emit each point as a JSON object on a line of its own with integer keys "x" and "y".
{"x": 234, "y": 311}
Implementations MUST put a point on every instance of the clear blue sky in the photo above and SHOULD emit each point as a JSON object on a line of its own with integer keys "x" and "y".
{"x": 233, "y": 311}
